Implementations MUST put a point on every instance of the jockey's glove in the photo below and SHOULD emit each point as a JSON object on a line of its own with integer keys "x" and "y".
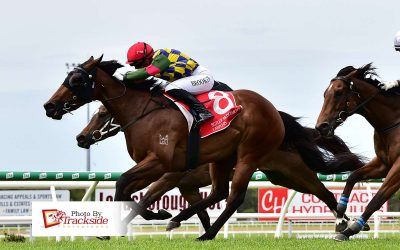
{"x": 388, "y": 85}
{"x": 121, "y": 72}
{"x": 158, "y": 81}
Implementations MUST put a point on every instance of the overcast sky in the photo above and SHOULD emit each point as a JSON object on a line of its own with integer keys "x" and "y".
{"x": 285, "y": 50}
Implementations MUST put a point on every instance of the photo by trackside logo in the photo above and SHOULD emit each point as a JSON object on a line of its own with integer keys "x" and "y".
{"x": 73, "y": 218}
{"x": 54, "y": 217}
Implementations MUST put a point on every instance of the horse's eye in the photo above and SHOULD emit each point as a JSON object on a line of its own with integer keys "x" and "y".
{"x": 102, "y": 114}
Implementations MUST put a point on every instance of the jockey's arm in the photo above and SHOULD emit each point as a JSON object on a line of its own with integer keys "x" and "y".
{"x": 159, "y": 64}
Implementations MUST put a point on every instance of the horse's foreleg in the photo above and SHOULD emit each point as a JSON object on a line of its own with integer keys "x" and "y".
{"x": 167, "y": 182}
{"x": 220, "y": 190}
{"x": 193, "y": 196}
{"x": 137, "y": 178}
{"x": 189, "y": 187}
{"x": 240, "y": 181}
{"x": 390, "y": 185}
{"x": 373, "y": 169}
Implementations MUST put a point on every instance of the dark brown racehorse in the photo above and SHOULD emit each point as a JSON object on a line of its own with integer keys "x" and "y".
{"x": 251, "y": 142}
{"x": 188, "y": 183}
{"x": 353, "y": 91}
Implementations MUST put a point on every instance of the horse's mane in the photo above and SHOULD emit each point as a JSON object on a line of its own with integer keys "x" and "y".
{"x": 111, "y": 66}
{"x": 364, "y": 73}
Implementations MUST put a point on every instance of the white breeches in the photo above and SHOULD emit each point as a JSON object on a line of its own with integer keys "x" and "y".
{"x": 199, "y": 82}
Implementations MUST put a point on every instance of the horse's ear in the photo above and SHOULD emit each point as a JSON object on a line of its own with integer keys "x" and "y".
{"x": 352, "y": 74}
{"x": 91, "y": 58}
{"x": 98, "y": 60}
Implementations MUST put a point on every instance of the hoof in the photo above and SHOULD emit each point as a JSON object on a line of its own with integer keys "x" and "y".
{"x": 103, "y": 237}
{"x": 205, "y": 237}
{"x": 341, "y": 237}
{"x": 163, "y": 214}
{"x": 366, "y": 227}
{"x": 172, "y": 225}
{"x": 341, "y": 226}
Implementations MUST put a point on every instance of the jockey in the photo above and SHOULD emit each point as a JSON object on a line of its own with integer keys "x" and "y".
{"x": 395, "y": 83}
{"x": 183, "y": 76}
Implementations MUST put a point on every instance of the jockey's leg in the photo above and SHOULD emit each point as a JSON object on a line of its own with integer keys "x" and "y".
{"x": 184, "y": 90}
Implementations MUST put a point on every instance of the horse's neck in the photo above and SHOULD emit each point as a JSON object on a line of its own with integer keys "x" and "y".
{"x": 382, "y": 111}
{"x": 128, "y": 105}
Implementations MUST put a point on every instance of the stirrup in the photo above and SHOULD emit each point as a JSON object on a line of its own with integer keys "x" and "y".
{"x": 202, "y": 117}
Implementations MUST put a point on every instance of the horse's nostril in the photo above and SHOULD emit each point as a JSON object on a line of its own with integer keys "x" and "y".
{"x": 323, "y": 128}
{"x": 49, "y": 106}
{"x": 80, "y": 138}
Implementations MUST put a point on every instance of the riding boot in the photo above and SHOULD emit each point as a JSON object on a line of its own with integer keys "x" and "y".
{"x": 201, "y": 114}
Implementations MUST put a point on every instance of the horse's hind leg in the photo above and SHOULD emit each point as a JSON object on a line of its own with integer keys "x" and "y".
{"x": 220, "y": 189}
{"x": 287, "y": 166}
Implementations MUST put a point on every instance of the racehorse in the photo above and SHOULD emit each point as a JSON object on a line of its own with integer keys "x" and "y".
{"x": 102, "y": 126}
{"x": 354, "y": 91}
{"x": 144, "y": 117}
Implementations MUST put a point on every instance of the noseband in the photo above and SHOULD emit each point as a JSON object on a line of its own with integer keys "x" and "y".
{"x": 107, "y": 128}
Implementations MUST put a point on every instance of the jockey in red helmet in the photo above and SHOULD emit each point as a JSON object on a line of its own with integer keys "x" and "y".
{"x": 395, "y": 83}
{"x": 183, "y": 76}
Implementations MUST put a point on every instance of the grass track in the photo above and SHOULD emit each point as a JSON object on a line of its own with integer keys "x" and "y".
{"x": 254, "y": 242}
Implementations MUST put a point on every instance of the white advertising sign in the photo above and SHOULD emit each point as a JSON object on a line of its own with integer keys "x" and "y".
{"x": 172, "y": 201}
{"x": 19, "y": 202}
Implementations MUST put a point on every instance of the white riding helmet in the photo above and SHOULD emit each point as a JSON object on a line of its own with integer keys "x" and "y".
{"x": 397, "y": 41}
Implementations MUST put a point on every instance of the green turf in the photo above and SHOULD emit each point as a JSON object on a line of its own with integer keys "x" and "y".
{"x": 254, "y": 242}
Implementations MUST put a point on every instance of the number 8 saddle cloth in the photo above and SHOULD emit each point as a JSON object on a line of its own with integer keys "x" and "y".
{"x": 221, "y": 104}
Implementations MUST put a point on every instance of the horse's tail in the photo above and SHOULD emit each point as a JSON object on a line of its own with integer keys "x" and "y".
{"x": 337, "y": 158}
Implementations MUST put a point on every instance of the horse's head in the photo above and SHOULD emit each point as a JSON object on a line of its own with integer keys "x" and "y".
{"x": 342, "y": 98}
{"x": 101, "y": 126}
{"x": 77, "y": 89}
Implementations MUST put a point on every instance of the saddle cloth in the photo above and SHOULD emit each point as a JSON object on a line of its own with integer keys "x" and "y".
{"x": 221, "y": 104}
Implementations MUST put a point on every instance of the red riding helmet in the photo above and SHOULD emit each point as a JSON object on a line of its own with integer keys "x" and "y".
{"x": 139, "y": 52}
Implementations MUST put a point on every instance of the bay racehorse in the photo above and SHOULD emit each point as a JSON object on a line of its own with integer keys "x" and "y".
{"x": 251, "y": 142}
{"x": 103, "y": 125}
{"x": 354, "y": 91}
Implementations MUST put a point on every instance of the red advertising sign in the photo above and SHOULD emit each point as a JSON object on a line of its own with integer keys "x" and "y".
{"x": 272, "y": 200}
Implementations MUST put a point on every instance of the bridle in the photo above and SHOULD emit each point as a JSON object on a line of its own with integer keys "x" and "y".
{"x": 85, "y": 93}
{"x": 340, "y": 117}
{"x": 108, "y": 127}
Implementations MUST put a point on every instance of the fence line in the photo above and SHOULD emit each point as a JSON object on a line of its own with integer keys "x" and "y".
{"x": 92, "y": 180}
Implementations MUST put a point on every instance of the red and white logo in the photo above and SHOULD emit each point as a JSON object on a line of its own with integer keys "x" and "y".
{"x": 79, "y": 218}
{"x": 272, "y": 200}
{"x": 52, "y": 217}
